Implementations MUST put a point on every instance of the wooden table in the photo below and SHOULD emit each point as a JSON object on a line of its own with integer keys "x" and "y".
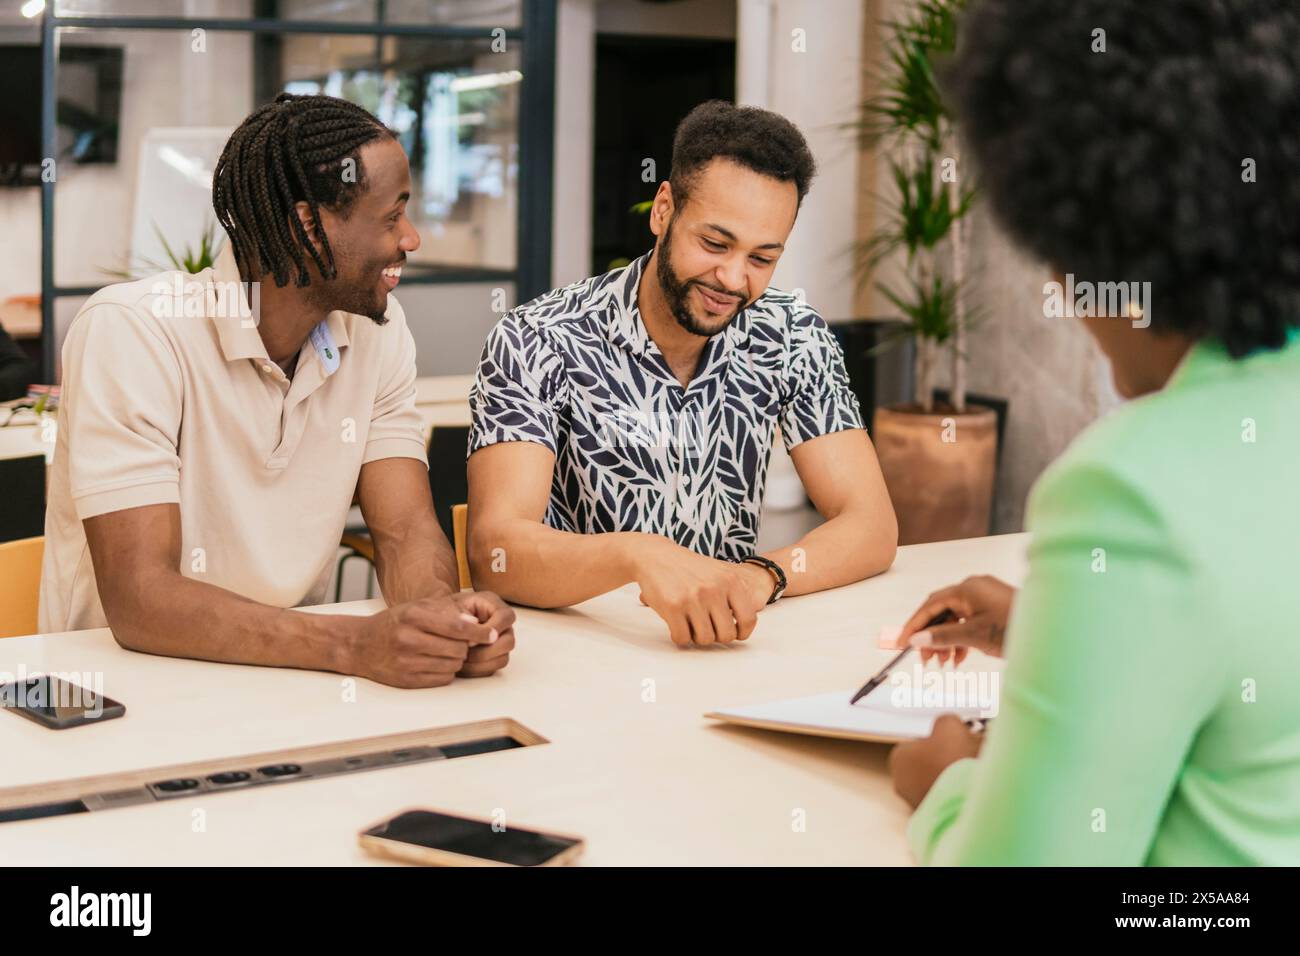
{"x": 632, "y": 765}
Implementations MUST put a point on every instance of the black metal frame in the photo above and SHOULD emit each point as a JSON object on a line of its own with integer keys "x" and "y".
{"x": 532, "y": 272}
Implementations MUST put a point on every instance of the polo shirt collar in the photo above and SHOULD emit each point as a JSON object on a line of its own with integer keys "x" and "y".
{"x": 626, "y": 328}
{"x": 239, "y": 338}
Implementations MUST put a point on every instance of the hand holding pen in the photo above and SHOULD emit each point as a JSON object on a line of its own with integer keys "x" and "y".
{"x": 973, "y": 613}
{"x": 884, "y": 672}
{"x": 978, "y": 610}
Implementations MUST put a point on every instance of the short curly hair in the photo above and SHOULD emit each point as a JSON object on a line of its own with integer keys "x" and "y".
{"x": 1135, "y": 164}
{"x": 761, "y": 140}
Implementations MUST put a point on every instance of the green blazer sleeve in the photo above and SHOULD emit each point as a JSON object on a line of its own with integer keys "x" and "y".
{"x": 1109, "y": 675}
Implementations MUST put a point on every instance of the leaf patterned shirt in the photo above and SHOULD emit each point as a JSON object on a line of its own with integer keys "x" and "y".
{"x": 575, "y": 370}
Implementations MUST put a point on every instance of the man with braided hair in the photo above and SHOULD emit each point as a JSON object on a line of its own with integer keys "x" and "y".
{"x": 214, "y": 428}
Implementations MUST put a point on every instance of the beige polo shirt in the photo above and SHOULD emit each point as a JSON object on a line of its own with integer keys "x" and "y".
{"x": 169, "y": 398}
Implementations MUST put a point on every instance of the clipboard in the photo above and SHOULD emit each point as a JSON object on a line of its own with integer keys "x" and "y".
{"x": 874, "y": 719}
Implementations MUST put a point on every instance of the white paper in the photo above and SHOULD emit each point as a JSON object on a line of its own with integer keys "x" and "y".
{"x": 831, "y": 715}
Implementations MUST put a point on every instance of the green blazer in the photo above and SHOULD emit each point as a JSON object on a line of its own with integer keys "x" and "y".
{"x": 1150, "y": 708}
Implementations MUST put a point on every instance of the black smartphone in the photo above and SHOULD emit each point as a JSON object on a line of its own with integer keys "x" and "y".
{"x": 57, "y": 703}
{"x": 439, "y": 839}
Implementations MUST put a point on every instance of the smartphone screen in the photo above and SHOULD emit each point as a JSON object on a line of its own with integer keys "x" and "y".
{"x": 57, "y": 703}
{"x": 475, "y": 838}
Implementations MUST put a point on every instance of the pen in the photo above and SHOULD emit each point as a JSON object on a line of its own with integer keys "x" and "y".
{"x": 941, "y": 618}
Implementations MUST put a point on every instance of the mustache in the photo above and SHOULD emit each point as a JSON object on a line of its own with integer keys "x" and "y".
{"x": 719, "y": 290}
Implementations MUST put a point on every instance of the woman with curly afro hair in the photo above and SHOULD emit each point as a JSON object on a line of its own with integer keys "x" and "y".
{"x": 1150, "y": 706}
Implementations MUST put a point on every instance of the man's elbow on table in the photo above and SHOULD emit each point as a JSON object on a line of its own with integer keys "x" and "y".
{"x": 873, "y": 541}
{"x": 882, "y": 543}
{"x": 126, "y": 611}
{"x": 495, "y": 566}
{"x": 875, "y": 523}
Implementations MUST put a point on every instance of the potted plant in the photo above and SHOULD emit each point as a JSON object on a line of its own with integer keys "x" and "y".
{"x": 938, "y": 459}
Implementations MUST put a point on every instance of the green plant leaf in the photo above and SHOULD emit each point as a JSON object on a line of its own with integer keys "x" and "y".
{"x": 166, "y": 248}
{"x": 928, "y": 307}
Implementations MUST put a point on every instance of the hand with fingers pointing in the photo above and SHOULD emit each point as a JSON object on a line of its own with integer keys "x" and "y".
{"x": 981, "y": 605}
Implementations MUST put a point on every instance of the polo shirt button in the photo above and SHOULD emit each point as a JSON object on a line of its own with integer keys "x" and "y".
{"x": 686, "y": 480}
{"x": 266, "y": 368}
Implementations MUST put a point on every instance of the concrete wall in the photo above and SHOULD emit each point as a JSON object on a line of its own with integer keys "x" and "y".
{"x": 1055, "y": 378}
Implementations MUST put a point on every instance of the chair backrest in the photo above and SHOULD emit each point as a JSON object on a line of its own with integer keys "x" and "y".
{"x": 460, "y": 538}
{"x": 447, "y": 480}
{"x": 22, "y": 505}
{"x": 20, "y": 586}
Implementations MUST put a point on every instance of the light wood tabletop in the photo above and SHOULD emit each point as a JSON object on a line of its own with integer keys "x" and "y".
{"x": 632, "y": 764}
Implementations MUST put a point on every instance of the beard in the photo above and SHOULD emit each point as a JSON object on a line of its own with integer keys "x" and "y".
{"x": 676, "y": 292}
{"x": 361, "y": 300}
{"x": 347, "y": 294}
{"x": 333, "y": 298}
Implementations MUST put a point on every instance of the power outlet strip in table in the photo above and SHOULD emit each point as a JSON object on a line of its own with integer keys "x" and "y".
{"x": 274, "y": 768}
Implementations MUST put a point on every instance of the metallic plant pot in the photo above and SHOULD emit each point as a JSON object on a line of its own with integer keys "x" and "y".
{"x": 939, "y": 469}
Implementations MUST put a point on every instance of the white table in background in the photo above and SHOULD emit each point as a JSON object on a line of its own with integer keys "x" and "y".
{"x": 443, "y": 400}
{"x": 20, "y": 441}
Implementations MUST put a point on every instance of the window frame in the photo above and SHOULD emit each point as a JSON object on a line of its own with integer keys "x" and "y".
{"x": 536, "y": 134}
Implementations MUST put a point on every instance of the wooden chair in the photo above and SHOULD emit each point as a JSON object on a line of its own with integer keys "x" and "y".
{"x": 361, "y": 545}
{"x": 20, "y": 585}
{"x": 447, "y": 482}
{"x": 460, "y": 540}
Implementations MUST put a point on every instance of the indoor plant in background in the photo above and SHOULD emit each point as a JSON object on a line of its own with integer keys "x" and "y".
{"x": 193, "y": 259}
{"x": 939, "y": 459}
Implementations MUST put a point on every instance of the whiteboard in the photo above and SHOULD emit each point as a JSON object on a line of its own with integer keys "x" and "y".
{"x": 174, "y": 190}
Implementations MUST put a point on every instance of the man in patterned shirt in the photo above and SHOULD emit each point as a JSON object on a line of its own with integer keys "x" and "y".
{"x": 622, "y": 425}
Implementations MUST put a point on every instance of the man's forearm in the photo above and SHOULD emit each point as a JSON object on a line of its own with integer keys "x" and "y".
{"x": 528, "y": 563}
{"x": 847, "y": 548}
{"x": 167, "y": 613}
{"x": 415, "y": 562}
